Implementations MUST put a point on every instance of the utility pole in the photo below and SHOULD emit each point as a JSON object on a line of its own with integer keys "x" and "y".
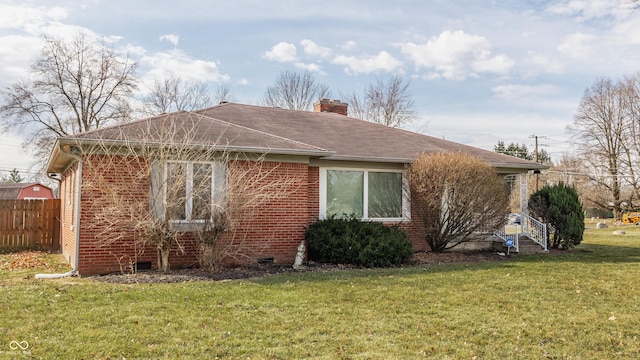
{"x": 535, "y": 157}
{"x": 536, "y": 160}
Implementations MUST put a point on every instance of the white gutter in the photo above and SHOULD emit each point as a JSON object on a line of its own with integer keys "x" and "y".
{"x": 74, "y": 271}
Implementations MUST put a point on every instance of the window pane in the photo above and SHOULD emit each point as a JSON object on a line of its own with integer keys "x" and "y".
{"x": 176, "y": 191}
{"x": 201, "y": 203}
{"x": 219, "y": 187}
{"x": 345, "y": 192}
{"x": 385, "y": 195}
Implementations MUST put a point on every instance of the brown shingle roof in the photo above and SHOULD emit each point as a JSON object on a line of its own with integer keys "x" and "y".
{"x": 11, "y": 191}
{"x": 323, "y": 135}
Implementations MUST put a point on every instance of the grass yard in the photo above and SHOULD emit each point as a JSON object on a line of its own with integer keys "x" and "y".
{"x": 583, "y": 304}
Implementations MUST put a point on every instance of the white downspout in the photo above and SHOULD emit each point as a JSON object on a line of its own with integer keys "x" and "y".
{"x": 78, "y": 184}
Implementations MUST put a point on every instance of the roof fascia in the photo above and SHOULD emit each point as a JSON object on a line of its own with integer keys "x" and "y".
{"x": 221, "y": 148}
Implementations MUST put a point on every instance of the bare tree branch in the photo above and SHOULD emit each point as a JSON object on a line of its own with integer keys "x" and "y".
{"x": 600, "y": 129}
{"x": 388, "y": 103}
{"x": 456, "y": 197}
{"x": 295, "y": 91}
{"x": 175, "y": 94}
{"x": 223, "y": 94}
{"x": 74, "y": 86}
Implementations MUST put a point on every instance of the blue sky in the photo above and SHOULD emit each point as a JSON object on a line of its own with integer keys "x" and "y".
{"x": 480, "y": 71}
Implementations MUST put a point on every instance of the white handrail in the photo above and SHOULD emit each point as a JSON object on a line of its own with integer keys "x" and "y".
{"x": 529, "y": 227}
{"x": 510, "y": 232}
{"x": 534, "y": 229}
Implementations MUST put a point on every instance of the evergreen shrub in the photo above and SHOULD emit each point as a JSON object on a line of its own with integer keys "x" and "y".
{"x": 352, "y": 241}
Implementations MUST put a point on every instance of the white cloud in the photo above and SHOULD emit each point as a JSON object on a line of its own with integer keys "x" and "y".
{"x": 499, "y": 64}
{"x": 180, "y": 64}
{"x": 15, "y": 52}
{"x": 134, "y": 50}
{"x": 172, "y": 38}
{"x": 368, "y": 64}
{"x": 628, "y": 31}
{"x": 313, "y": 49}
{"x": 456, "y": 55}
{"x": 282, "y": 52}
{"x": 587, "y": 9}
{"x": 349, "y": 45}
{"x": 14, "y": 155}
{"x": 485, "y": 130}
{"x": 243, "y": 81}
{"x": 26, "y": 17}
{"x": 543, "y": 64}
{"x": 285, "y": 52}
{"x": 22, "y": 26}
{"x": 578, "y": 45}
{"x": 37, "y": 20}
{"x": 523, "y": 92}
{"x": 309, "y": 67}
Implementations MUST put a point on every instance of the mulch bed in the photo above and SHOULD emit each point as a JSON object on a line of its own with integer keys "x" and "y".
{"x": 246, "y": 272}
{"x": 37, "y": 260}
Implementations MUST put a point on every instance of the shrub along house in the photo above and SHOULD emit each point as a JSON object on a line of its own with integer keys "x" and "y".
{"x": 337, "y": 165}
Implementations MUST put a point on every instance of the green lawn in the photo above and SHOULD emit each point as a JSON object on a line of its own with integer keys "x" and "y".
{"x": 583, "y": 304}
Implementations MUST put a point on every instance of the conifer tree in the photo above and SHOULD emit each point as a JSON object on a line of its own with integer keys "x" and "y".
{"x": 559, "y": 207}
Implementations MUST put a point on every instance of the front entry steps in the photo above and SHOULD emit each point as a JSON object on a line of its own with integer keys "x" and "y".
{"x": 526, "y": 247}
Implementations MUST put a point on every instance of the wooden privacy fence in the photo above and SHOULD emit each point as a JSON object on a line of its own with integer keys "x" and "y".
{"x": 29, "y": 224}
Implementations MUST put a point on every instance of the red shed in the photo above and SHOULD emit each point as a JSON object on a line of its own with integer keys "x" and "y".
{"x": 25, "y": 191}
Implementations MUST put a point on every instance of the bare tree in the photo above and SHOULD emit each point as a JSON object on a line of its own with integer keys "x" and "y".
{"x": 388, "y": 103}
{"x": 223, "y": 94}
{"x": 599, "y": 127}
{"x": 457, "y": 198}
{"x": 295, "y": 91}
{"x": 164, "y": 189}
{"x": 629, "y": 88}
{"x": 569, "y": 170}
{"x": 175, "y": 94}
{"x": 74, "y": 86}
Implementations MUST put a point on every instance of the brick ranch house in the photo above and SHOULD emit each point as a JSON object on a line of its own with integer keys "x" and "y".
{"x": 323, "y": 150}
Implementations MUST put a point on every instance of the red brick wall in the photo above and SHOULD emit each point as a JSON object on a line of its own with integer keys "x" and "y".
{"x": 334, "y": 106}
{"x": 109, "y": 186}
{"x": 415, "y": 231}
{"x": 313, "y": 190}
{"x": 272, "y": 229}
{"x": 275, "y": 227}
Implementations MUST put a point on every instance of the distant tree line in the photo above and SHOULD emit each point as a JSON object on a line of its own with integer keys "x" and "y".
{"x": 521, "y": 151}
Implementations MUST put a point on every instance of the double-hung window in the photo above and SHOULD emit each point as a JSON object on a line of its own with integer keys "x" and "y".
{"x": 365, "y": 194}
{"x": 193, "y": 191}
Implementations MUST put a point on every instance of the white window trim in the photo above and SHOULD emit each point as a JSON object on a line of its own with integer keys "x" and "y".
{"x": 189, "y": 189}
{"x": 406, "y": 203}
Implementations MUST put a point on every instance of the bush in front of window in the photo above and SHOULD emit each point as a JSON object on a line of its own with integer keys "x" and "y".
{"x": 352, "y": 241}
{"x": 457, "y": 198}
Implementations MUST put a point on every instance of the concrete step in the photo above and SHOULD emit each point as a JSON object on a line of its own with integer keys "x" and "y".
{"x": 526, "y": 247}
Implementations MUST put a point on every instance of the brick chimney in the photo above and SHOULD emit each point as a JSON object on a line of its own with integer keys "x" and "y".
{"x": 334, "y": 106}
